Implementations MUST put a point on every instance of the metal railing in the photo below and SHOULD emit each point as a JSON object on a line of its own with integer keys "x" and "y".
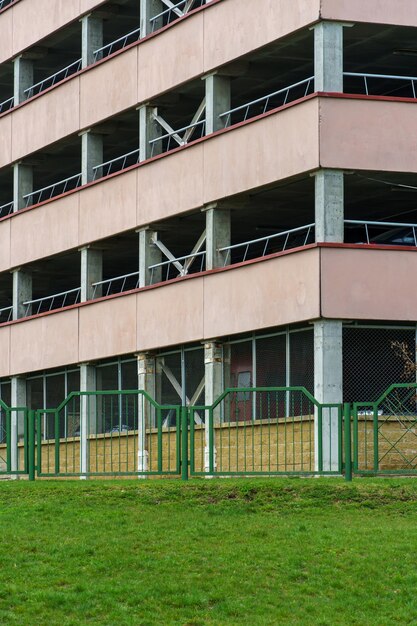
{"x": 182, "y": 269}
{"x": 117, "y": 284}
{"x": 73, "y": 68}
{"x": 62, "y": 186}
{"x": 116, "y": 165}
{"x": 175, "y": 137}
{"x": 269, "y": 102}
{"x": 256, "y": 248}
{"x": 174, "y": 12}
{"x": 6, "y": 314}
{"x": 376, "y": 84}
{"x": 6, "y": 105}
{"x": 117, "y": 44}
{"x": 5, "y": 3}
{"x": 394, "y": 233}
{"x": 55, "y": 301}
{"x": 6, "y": 209}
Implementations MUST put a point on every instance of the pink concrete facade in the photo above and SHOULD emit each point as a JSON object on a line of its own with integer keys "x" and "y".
{"x": 188, "y": 310}
{"x": 137, "y": 75}
{"x": 89, "y": 214}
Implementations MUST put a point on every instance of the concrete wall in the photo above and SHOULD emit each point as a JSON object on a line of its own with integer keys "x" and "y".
{"x": 367, "y": 284}
{"x": 398, "y": 12}
{"x": 359, "y": 134}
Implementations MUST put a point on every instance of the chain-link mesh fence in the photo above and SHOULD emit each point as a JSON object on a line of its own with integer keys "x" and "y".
{"x": 374, "y": 359}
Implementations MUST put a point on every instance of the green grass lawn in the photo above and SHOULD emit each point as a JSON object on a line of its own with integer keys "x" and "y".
{"x": 242, "y": 552}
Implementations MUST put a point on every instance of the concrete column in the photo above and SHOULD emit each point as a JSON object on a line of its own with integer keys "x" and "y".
{"x": 23, "y": 78}
{"x": 213, "y": 365}
{"x": 91, "y": 154}
{"x": 17, "y": 418}
{"x": 328, "y": 56}
{"x": 22, "y": 184}
{"x": 148, "y": 9}
{"x": 149, "y": 254}
{"x": 329, "y": 206}
{"x": 91, "y": 38}
{"x": 148, "y": 129}
{"x": 22, "y": 292}
{"x": 91, "y": 272}
{"x": 328, "y": 386}
{"x": 218, "y": 98}
{"x": 88, "y": 415}
{"x": 218, "y": 235}
{"x": 146, "y": 417}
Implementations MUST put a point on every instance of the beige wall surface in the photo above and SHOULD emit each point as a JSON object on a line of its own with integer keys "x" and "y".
{"x": 368, "y": 284}
{"x": 376, "y": 11}
{"x": 233, "y": 24}
{"x": 279, "y": 146}
{"x": 205, "y": 39}
{"x": 359, "y": 134}
{"x": 43, "y": 342}
{"x": 39, "y": 234}
{"x": 256, "y": 296}
{"x": 29, "y": 21}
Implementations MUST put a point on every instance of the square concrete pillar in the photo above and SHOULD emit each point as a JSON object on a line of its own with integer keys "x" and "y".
{"x": 329, "y": 206}
{"x": 148, "y": 10}
{"x": 213, "y": 366}
{"x": 149, "y": 129}
{"x": 22, "y": 184}
{"x": 328, "y": 57}
{"x": 17, "y": 418}
{"x": 218, "y": 100}
{"x": 91, "y": 38}
{"x": 146, "y": 412}
{"x": 91, "y": 155}
{"x": 88, "y": 415}
{"x": 91, "y": 272}
{"x": 23, "y": 78}
{"x": 22, "y": 292}
{"x": 218, "y": 235}
{"x": 328, "y": 387}
{"x": 149, "y": 254}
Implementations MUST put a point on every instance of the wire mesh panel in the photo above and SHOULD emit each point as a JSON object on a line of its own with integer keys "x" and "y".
{"x": 108, "y": 433}
{"x": 13, "y": 440}
{"x": 279, "y": 430}
{"x": 374, "y": 358}
{"x": 385, "y": 432}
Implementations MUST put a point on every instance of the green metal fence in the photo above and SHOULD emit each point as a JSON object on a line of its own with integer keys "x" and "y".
{"x": 246, "y": 431}
{"x": 13, "y": 440}
{"x": 117, "y": 433}
{"x": 385, "y": 432}
{"x": 266, "y": 431}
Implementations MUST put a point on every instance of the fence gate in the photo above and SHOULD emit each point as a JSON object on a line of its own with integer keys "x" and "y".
{"x": 13, "y": 440}
{"x": 385, "y": 432}
{"x": 114, "y": 433}
{"x": 266, "y": 431}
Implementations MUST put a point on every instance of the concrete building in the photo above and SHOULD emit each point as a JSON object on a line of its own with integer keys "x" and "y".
{"x": 206, "y": 193}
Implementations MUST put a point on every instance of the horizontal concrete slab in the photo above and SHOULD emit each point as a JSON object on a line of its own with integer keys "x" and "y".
{"x": 254, "y": 296}
{"x": 368, "y": 284}
{"x": 262, "y": 152}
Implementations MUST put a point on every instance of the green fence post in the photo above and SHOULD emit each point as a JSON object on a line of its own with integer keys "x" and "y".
{"x": 184, "y": 446}
{"x": 348, "y": 441}
{"x": 31, "y": 445}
